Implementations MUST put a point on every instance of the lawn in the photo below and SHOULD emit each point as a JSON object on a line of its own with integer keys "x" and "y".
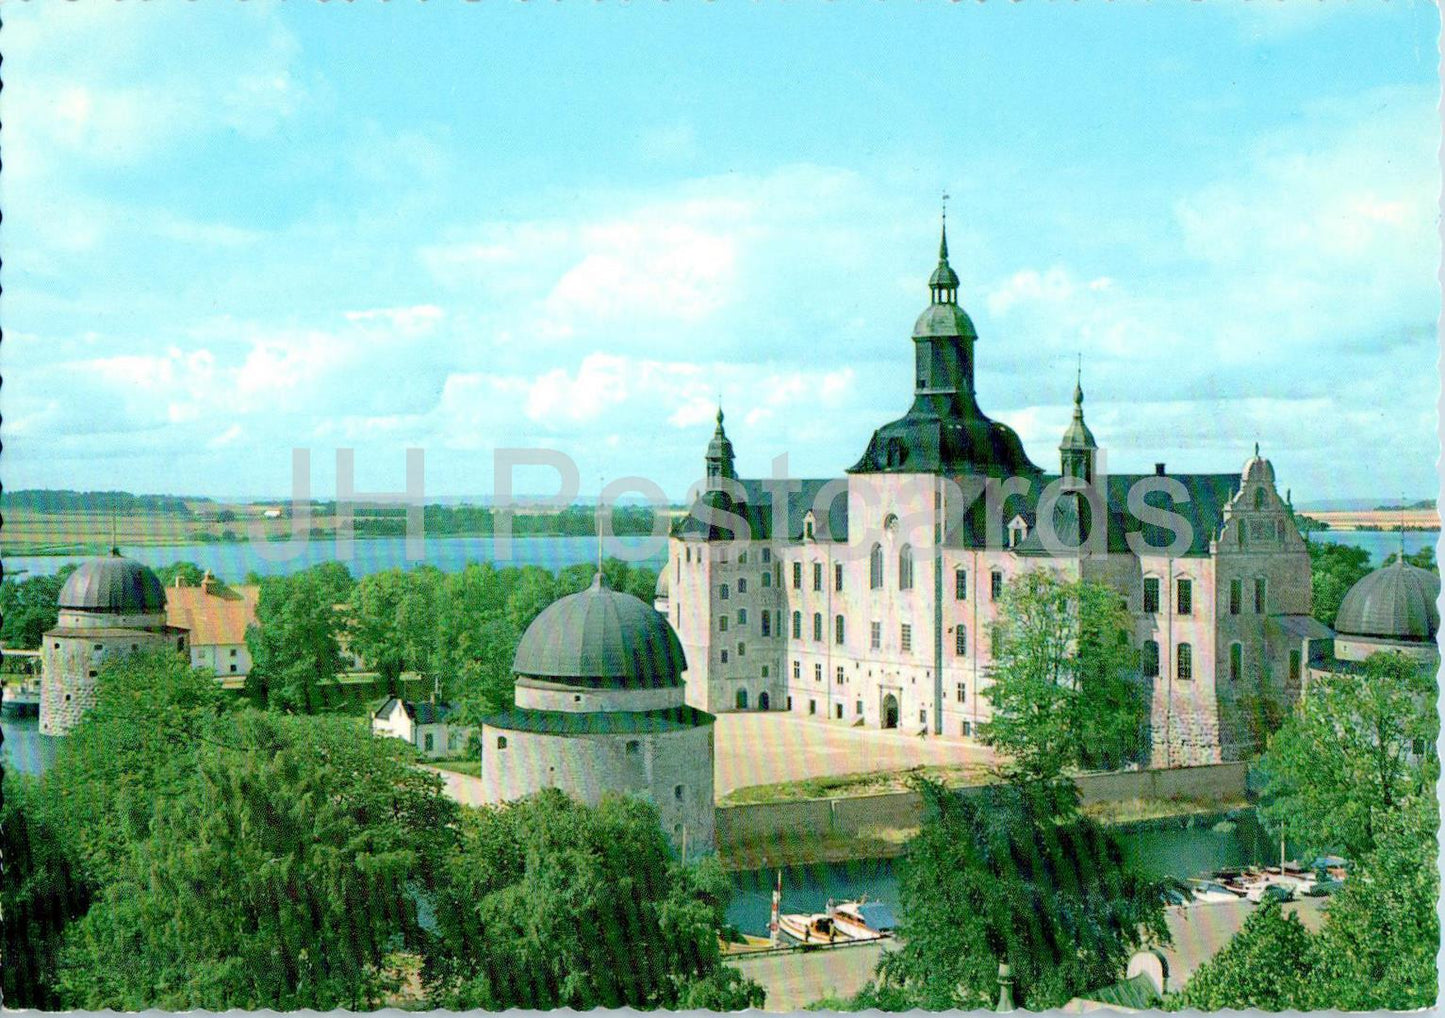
{"x": 473, "y": 768}
{"x": 837, "y": 786}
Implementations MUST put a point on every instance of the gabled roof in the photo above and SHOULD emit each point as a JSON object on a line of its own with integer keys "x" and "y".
{"x": 422, "y": 712}
{"x": 214, "y": 618}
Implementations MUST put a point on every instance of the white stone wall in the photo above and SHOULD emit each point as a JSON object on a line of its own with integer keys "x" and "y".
{"x": 672, "y": 769}
{"x": 226, "y": 660}
{"x": 536, "y": 694}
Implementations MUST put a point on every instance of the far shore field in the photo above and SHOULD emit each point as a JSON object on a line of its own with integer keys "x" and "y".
{"x": 1377, "y": 519}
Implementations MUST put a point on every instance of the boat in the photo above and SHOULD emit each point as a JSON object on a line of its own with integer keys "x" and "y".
{"x": 817, "y": 928}
{"x": 863, "y": 919}
{"x": 1212, "y": 892}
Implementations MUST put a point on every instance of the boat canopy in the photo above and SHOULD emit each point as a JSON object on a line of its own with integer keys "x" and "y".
{"x": 877, "y": 915}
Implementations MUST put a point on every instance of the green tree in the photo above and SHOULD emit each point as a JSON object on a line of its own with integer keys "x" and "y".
{"x": 237, "y": 858}
{"x": 550, "y": 903}
{"x": 1347, "y": 758}
{"x": 1065, "y": 692}
{"x": 1013, "y": 872}
{"x": 1422, "y": 559}
{"x": 41, "y": 894}
{"x": 294, "y": 645}
{"x": 1270, "y": 964}
{"x": 1381, "y": 935}
{"x": 189, "y": 573}
{"x": 29, "y": 607}
{"x": 1334, "y": 569}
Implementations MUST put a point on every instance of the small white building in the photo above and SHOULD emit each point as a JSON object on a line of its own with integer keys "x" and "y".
{"x": 216, "y": 616}
{"x": 422, "y": 724}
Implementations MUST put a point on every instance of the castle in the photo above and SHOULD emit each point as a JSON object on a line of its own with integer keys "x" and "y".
{"x": 867, "y": 599}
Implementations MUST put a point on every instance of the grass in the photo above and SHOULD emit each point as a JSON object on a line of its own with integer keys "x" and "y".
{"x": 469, "y": 767}
{"x": 1125, "y": 811}
{"x": 806, "y": 850}
{"x": 840, "y": 786}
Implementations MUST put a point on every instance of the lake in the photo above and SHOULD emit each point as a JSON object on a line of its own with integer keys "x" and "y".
{"x": 25, "y": 749}
{"x": 231, "y": 562}
{"x": 1177, "y": 847}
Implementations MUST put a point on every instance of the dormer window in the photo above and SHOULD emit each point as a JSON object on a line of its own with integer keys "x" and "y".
{"x": 1018, "y": 530}
{"x": 808, "y": 527}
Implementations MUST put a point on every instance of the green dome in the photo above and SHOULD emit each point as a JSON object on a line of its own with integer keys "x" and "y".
{"x": 601, "y": 638}
{"x": 114, "y": 584}
{"x": 1395, "y": 602}
{"x": 943, "y": 320}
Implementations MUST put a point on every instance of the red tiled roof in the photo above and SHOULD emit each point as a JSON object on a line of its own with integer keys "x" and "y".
{"x": 213, "y": 619}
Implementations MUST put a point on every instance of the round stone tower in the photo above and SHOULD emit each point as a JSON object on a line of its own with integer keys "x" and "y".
{"x": 599, "y": 708}
{"x": 109, "y": 607}
{"x": 1391, "y": 609}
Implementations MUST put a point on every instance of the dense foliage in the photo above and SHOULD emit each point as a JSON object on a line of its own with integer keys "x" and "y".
{"x": 1356, "y": 747}
{"x": 1334, "y": 569}
{"x": 122, "y": 503}
{"x": 188, "y": 851}
{"x": 295, "y": 642}
{"x": 1065, "y": 692}
{"x": 1353, "y": 769}
{"x": 1012, "y": 872}
{"x": 28, "y": 607}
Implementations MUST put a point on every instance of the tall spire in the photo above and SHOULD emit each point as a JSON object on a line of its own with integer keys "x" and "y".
{"x": 943, "y": 284}
{"x": 1076, "y": 451}
{"x": 720, "y": 452}
{"x": 1079, "y": 390}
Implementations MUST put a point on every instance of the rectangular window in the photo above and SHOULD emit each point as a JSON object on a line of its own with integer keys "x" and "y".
{"x": 767, "y": 555}
{"x": 767, "y": 581}
{"x": 960, "y": 584}
{"x": 723, "y": 656}
{"x": 818, "y": 627}
{"x": 838, "y": 711}
{"x": 923, "y": 715}
{"x": 1236, "y": 596}
{"x": 967, "y": 729}
{"x": 1151, "y": 595}
{"x": 837, "y": 576}
{"x": 960, "y": 640}
{"x": 743, "y": 557}
{"x": 742, "y": 585}
{"x": 960, "y": 692}
{"x": 1185, "y": 668}
{"x": 722, "y": 623}
{"x": 838, "y": 629}
{"x": 742, "y": 649}
{"x": 742, "y": 616}
{"x": 767, "y": 622}
{"x": 838, "y": 676}
{"x": 427, "y": 742}
{"x": 817, "y": 672}
{"x": 797, "y": 576}
{"x": 1294, "y": 665}
{"x": 790, "y": 703}
{"x": 723, "y": 592}
{"x": 765, "y": 671}
{"x": 1185, "y": 599}
{"x": 233, "y": 651}
{"x": 875, "y": 635}
{"x": 1259, "y": 592}
{"x": 905, "y": 637}
{"x": 812, "y": 706}
{"x": 1236, "y": 661}
{"x": 817, "y": 576}
{"x": 995, "y": 586}
{"x": 797, "y": 625}
{"x": 797, "y": 669}
{"x": 1151, "y": 658}
{"x": 858, "y": 707}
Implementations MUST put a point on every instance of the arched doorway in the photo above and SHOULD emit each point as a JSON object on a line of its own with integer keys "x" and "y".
{"x": 763, "y": 701}
{"x": 742, "y": 699}
{"x": 890, "y": 711}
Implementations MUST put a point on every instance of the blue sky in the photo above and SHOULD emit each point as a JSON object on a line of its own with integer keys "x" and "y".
{"x": 235, "y": 230}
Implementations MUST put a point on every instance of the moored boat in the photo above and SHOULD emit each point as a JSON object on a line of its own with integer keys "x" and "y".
{"x": 863, "y": 919}
{"x": 818, "y": 928}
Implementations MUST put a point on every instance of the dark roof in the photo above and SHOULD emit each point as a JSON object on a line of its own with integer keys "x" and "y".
{"x": 1300, "y": 627}
{"x": 113, "y": 584}
{"x": 1134, "y": 994}
{"x": 602, "y": 638}
{"x": 1395, "y": 602}
{"x": 757, "y": 510}
{"x": 945, "y": 433}
{"x": 423, "y": 712}
{"x": 944, "y": 320}
{"x": 559, "y": 722}
{"x": 1209, "y": 494}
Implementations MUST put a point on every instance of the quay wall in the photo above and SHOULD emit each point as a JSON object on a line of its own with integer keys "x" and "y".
{"x": 862, "y": 815}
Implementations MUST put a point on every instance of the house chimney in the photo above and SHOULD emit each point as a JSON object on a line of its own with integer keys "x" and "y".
{"x": 206, "y": 582}
{"x": 1159, "y": 469}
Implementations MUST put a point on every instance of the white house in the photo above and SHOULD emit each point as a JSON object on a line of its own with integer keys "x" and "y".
{"x": 422, "y": 724}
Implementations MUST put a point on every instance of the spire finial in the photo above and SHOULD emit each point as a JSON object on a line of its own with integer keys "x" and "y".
{"x": 1079, "y": 386}
{"x": 1256, "y": 450}
{"x": 943, "y": 234}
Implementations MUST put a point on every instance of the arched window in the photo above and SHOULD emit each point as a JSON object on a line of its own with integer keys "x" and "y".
{"x": 1259, "y": 498}
{"x": 1236, "y": 661}
{"x": 905, "y": 568}
{"x": 838, "y": 629}
{"x": 1185, "y": 669}
{"x": 797, "y": 625}
{"x": 818, "y": 626}
{"x": 501, "y": 742}
{"x": 960, "y": 641}
{"x": 689, "y": 556}
{"x": 742, "y": 700}
{"x": 1150, "y": 659}
{"x": 875, "y": 567}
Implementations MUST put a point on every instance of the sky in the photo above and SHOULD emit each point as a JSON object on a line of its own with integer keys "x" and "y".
{"x": 236, "y": 230}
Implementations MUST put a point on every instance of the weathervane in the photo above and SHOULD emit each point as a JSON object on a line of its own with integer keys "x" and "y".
{"x": 945, "y": 206}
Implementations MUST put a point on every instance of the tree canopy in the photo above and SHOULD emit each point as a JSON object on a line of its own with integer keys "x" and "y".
{"x": 1065, "y": 691}
{"x": 1334, "y": 569}
{"x": 28, "y": 607}
{"x": 1012, "y": 872}
{"x": 1270, "y": 964}
{"x": 294, "y": 642}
